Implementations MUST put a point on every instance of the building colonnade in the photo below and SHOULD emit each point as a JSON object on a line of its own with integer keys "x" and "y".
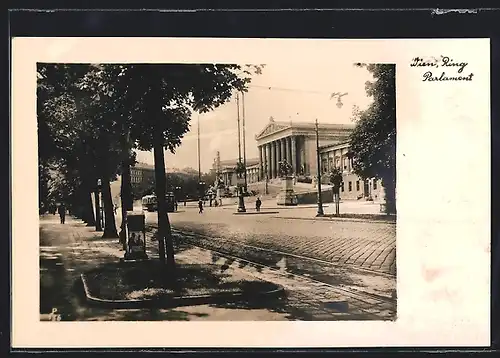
{"x": 271, "y": 153}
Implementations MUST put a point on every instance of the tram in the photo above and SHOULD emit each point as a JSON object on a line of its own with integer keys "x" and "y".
{"x": 150, "y": 202}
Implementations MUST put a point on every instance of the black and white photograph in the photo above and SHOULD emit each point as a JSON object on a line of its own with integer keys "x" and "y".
{"x": 215, "y": 191}
{"x": 250, "y": 192}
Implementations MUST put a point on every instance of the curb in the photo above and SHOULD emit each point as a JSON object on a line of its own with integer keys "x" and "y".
{"x": 287, "y": 207}
{"x": 332, "y": 218}
{"x": 178, "y": 301}
{"x": 256, "y": 213}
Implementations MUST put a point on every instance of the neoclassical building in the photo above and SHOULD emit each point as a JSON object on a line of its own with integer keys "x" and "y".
{"x": 227, "y": 171}
{"x": 296, "y": 143}
{"x": 353, "y": 187}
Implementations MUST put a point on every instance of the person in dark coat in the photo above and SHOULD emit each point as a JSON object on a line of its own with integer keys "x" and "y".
{"x": 62, "y": 213}
{"x": 200, "y": 205}
{"x": 258, "y": 203}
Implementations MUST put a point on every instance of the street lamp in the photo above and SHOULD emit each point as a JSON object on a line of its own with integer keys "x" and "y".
{"x": 201, "y": 188}
{"x": 318, "y": 160}
{"x": 241, "y": 169}
{"x": 320, "y": 201}
{"x": 99, "y": 223}
{"x": 267, "y": 179}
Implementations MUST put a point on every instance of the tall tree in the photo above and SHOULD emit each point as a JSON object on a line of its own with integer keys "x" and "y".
{"x": 161, "y": 98}
{"x": 79, "y": 123}
{"x": 373, "y": 141}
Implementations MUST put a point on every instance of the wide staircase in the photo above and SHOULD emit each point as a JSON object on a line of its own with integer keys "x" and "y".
{"x": 306, "y": 193}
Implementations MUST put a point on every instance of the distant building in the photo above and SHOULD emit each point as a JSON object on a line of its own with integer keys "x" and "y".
{"x": 353, "y": 187}
{"x": 142, "y": 174}
{"x": 295, "y": 142}
{"x": 227, "y": 170}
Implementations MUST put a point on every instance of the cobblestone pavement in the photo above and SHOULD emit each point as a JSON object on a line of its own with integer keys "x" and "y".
{"x": 364, "y": 244}
{"x": 68, "y": 250}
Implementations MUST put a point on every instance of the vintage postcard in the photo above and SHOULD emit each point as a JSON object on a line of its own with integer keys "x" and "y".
{"x": 250, "y": 192}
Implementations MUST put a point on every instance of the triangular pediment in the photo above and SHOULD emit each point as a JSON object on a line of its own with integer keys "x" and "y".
{"x": 271, "y": 128}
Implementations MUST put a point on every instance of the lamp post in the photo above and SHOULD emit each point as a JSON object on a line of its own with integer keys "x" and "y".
{"x": 318, "y": 160}
{"x": 98, "y": 222}
{"x": 267, "y": 179}
{"x": 199, "y": 156}
{"x": 244, "y": 146}
{"x": 241, "y": 168}
{"x": 320, "y": 201}
{"x": 201, "y": 189}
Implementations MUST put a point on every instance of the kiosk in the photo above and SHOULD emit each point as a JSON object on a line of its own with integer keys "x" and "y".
{"x": 136, "y": 236}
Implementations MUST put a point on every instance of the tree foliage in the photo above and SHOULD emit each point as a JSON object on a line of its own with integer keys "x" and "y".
{"x": 373, "y": 141}
{"x": 335, "y": 177}
{"x": 284, "y": 169}
{"x": 92, "y": 116}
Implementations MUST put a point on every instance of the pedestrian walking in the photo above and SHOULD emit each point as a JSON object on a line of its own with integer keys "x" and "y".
{"x": 62, "y": 213}
{"x": 175, "y": 205}
{"x": 258, "y": 203}
{"x": 200, "y": 205}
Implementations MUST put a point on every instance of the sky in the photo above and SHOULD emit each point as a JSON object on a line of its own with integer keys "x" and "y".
{"x": 299, "y": 92}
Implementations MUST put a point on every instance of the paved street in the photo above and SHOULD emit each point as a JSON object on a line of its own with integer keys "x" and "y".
{"x": 68, "y": 250}
{"x": 364, "y": 244}
{"x": 314, "y": 292}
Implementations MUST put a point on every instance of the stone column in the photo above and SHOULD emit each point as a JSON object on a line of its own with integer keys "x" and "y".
{"x": 287, "y": 149}
{"x": 278, "y": 153}
{"x": 268, "y": 159}
{"x": 271, "y": 160}
{"x": 294, "y": 154}
{"x": 277, "y": 145}
{"x": 274, "y": 159}
{"x": 283, "y": 152}
{"x": 261, "y": 160}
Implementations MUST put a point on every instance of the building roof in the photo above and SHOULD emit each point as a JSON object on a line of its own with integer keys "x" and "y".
{"x": 276, "y": 126}
{"x": 329, "y": 147}
{"x": 140, "y": 165}
{"x": 231, "y": 163}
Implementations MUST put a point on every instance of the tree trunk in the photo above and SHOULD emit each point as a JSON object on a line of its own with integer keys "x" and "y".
{"x": 164, "y": 229}
{"x": 109, "y": 215}
{"x": 390, "y": 195}
{"x": 83, "y": 207}
{"x": 87, "y": 208}
{"x": 126, "y": 198}
{"x": 98, "y": 226}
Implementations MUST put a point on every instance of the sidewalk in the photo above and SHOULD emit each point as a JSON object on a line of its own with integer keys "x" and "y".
{"x": 67, "y": 251}
{"x": 352, "y": 209}
{"x": 72, "y": 249}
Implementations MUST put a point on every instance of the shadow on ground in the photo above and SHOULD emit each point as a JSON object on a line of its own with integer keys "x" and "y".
{"x": 151, "y": 281}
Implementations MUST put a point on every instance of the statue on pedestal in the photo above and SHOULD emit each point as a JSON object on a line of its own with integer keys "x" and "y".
{"x": 286, "y": 195}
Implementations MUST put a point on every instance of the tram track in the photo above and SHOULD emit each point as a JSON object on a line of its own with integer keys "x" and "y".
{"x": 364, "y": 298}
{"x": 195, "y": 237}
{"x": 286, "y": 254}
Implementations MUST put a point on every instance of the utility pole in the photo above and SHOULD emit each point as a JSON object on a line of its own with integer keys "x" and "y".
{"x": 267, "y": 179}
{"x": 244, "y": 145}
{"x": 320, "y": 201}
{"x": 239, "y": 128}
{"x": 199, "y": 157}
{"x": 241, "y": 202}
